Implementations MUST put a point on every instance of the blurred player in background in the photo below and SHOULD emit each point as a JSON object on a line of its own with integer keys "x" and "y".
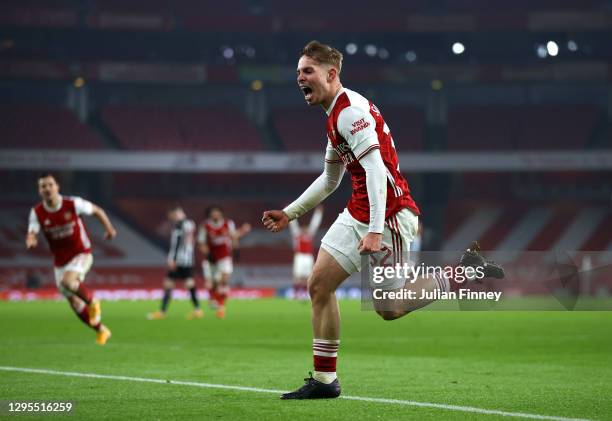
{"x": 218, "y": 237}
{"x": 180, "y": 263}
{"x": 59, "y": 218}
{"x": 303, "y": 259}
{"x": 380, "y": 220}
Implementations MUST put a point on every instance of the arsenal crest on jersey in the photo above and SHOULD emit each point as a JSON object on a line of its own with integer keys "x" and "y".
{"x": 68, "y": 216}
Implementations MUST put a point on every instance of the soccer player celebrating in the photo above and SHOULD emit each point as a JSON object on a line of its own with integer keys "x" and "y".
{"x": 303, "y": 260}
{"x": 180, "y": 264}
{"x": 380, "y": 219}
{"x": 218, "y": 237}
{"x": 59, "y": 217}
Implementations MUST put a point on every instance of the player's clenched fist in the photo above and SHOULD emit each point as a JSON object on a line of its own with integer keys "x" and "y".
{"x": 371, "y": 243}
{"x": 275, "y": 220}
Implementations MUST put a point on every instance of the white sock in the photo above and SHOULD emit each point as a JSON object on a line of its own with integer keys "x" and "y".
{"x": 325, "y": 376}
{"x": 325, "y": 353}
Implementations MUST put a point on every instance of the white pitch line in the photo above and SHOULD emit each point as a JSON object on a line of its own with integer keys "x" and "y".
{"x": 260, "y": 390}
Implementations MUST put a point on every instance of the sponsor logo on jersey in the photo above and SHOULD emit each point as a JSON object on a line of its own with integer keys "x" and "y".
{"x": 344, "y": 152}
{"x": 61, "y": 231}
{"x": 342, "y": 148}
{"x": 359, "y": 125}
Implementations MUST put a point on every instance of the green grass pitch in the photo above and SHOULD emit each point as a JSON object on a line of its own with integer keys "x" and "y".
{"x": 547, "y": 363}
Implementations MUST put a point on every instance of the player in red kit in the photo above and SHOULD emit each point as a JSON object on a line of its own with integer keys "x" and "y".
{"x": 218, "y": 237}
{"x": 59, "y": 219}
{"x": 303, "y": 260}
{"x": 380, "y": 219}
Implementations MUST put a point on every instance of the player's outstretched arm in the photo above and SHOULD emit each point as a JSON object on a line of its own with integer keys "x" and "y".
{"x": 243, "y": 230}
{"x": 237, "y": 234}
{"x": 202, "y": 244}
{"x": 110, "y": 231}
{"x": 318, "y": 191}
{"x": 323, "y": 186}
{"x": 316, "y": 219}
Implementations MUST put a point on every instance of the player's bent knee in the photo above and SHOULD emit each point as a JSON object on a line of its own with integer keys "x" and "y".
{"x": 168, "y": 284}
{"x": 318, "y": 290}
{"x": 189, "y": 283}
{"x": 391, "y": 315}
{"x": 69, "y": 284}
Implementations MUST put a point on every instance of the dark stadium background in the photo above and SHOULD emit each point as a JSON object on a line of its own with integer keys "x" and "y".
{"x": 137, "y": 105}
{"x": 501, "y": 111}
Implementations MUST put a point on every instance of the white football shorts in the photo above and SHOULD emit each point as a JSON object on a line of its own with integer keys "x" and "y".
{"x": 342, "y": 241}
{"x": 213, "y": 271}
{"x": 81, "y": 263}
{"x": 302, "y": 265}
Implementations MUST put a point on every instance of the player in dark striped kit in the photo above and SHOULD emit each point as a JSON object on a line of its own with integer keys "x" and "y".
{"x": 180, "y": 263}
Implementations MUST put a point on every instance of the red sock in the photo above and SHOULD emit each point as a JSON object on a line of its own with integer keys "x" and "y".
{"x": 325, "y": 352}
{"x": 83, "y": 293}
{"x": 221, "y": 299}
{"x": 222, "y": 293}
{"x": 212, "y": 294}
{"x": 83, "y": 314}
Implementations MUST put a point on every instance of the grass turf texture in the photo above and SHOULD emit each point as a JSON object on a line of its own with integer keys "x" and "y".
{"x": 549, "y": 363}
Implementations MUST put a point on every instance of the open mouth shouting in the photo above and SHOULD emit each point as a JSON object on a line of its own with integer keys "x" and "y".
{"x": 307, "y": 91}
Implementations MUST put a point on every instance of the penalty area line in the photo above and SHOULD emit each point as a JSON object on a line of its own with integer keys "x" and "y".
{"x": 457, "y": 408}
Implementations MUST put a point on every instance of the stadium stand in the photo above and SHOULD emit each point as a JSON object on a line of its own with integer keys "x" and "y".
{"x": 181, "y": 128}
{"x": 528, "y": 226}
{"x": 216, "y": 185}
{"x": 523, "y": 5}
{"x": 525, "y": 127}
{"x": 407, "y": 125}
{"x": 300, "y": 128}
{"x": 45, "y": 127}
{"x": 38, "y": 13}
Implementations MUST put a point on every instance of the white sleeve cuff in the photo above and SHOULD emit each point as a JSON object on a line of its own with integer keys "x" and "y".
{"x": 82, "y": 206}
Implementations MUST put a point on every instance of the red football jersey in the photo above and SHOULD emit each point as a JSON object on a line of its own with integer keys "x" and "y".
{"x": 64, "y": 230}
{"x": 218, "y": 237}
{"x": 302, "y": 243}
{"x": 355, "y": 127}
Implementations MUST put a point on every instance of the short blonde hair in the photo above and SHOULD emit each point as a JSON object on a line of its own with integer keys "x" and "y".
{"x": 323, "y": 54}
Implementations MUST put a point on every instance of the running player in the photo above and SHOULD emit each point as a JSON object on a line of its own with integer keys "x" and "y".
{"x": 218, "y": 237}
{"x": 180, "y": 264}
{"x": 59, "y": 218}
{"x": 303, "y": 259}
{"x": 380, "y": 219}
